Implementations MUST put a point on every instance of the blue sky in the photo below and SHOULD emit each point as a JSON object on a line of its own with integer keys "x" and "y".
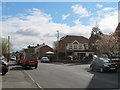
{"x": 56, "y": 10}
{"x": 40, "y": 20}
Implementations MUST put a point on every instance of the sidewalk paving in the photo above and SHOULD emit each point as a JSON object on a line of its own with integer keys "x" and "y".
{"x": 17, "y": 78}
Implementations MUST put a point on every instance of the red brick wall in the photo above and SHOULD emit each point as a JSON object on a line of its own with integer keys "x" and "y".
{"x": 43, "y": 50}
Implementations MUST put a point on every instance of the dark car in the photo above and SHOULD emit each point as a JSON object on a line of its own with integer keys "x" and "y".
{"x": 3, "y": 66}
{"x": 102, "y": 63}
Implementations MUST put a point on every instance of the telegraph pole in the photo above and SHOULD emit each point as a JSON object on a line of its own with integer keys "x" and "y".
{"x": 8, "y": 49}
{"x": 57, "y": 45}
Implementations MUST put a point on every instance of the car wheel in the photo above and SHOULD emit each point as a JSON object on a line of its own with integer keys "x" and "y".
{"x": 24, "y": 67}
{"x": 101, "y": 70}
{"x": 3, "y": 73}
{"x": 91, "y": 68}
{"x": 115, "y": 70}
{"x": 36, "y": 66}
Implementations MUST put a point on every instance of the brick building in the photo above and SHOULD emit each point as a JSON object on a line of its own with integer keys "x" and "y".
{"x": 42, "y": 49}
{"x": 74, "y": 45}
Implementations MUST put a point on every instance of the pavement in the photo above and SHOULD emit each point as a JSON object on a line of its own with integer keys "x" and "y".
{"x": 16, "y": 78}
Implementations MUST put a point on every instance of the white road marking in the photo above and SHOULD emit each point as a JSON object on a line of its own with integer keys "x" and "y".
{"x": 33, "y": 80}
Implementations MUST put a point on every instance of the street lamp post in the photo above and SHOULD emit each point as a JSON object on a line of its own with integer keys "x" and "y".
{"x": 57, "y": 45}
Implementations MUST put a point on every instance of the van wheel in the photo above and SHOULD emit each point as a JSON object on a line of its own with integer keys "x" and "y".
{"x": 101, "y": 70}
{"x": 36, "y": 66}
{"x": 24, "y": 67}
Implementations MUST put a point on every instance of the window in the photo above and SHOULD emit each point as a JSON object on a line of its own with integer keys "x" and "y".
{"x": 75, "y": 46}
{"x": 80, "y": 46}
{"x": 69, "y": 46}
{"x": 85, "y": 46}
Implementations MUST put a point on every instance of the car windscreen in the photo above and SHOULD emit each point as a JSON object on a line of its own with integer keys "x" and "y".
{"x": 106, "y": 61}
{"x": 31, "y": 57}
{"x": 103, "y": 56}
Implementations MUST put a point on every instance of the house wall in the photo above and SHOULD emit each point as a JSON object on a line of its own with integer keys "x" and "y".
{"x": 77, "y": 46}
{"x": 70, "y": 41}
{"x": 43, "y": 50}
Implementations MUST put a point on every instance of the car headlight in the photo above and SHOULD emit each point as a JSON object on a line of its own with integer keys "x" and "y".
{"x": 106, "y": 65}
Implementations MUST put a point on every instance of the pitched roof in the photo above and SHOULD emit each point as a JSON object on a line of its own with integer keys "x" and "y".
{"x": 42, "y": 45}
{"x": 72, "y": 38}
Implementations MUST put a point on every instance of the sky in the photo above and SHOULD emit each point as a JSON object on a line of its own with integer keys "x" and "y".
{"x": 32, "y": 23}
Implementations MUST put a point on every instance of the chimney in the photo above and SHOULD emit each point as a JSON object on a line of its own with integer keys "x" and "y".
{"x": 38, "y": 45}
{"x": 29, "y": 46}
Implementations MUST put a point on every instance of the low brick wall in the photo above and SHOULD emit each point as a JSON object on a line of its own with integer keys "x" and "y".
{"x": 74, "y": 61}
{"x": 69, "y": 61}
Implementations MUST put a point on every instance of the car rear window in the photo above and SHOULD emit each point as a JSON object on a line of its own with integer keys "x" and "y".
{"x": 44, "y": 57}
{"x": 31, "y": 57}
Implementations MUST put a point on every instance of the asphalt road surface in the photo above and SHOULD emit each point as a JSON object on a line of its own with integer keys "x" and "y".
{"x": 51, "y": 75}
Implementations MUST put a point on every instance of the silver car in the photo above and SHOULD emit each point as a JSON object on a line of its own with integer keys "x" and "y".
{"x": 45, "y": 59}
{"x": 102, "y": 63}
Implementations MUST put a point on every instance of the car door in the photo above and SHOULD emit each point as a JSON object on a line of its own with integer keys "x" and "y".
{"x": 94, "y": 63}
{"x": 97, "y": 63}
{"x": 100, "y": 64}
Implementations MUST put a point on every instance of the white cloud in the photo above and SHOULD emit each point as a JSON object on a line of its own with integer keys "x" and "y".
{"x": 109, "y": 22}
{"x": 107, "y": 19}
{"x": 80, "y": 10}
{"x": 108, "y": 9}
{"x": 65, "y": 16}
{"x": 38, "y": 27}
{"x": 99, "y": 5}
{"x": 77, "y": 22}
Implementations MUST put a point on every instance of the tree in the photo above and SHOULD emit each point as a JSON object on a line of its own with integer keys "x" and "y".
{"x": 117, "y": 33}
{"x": 107, "y": 44}
{"x": 5, "y": 47}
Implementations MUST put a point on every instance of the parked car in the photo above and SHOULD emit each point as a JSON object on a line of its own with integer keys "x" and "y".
{"x": 3, "y": 66}
{"x": 45, "y": 59}
{"x": 102, "y": 63}
{"x": 13, "y": 58}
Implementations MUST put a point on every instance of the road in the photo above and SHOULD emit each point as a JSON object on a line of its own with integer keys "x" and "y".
{"x": 53, "y": 75}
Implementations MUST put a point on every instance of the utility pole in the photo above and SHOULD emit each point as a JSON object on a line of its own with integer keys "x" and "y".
{"x": 57, "y": 45}
{"x": 8, "y": 49}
